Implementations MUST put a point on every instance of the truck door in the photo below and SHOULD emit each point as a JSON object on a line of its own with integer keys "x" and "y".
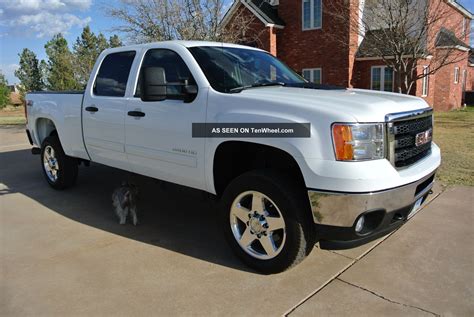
{"x": 158, "y": 134}
{"x": 103, "y": 111}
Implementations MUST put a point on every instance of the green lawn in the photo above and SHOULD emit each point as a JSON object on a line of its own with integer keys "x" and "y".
{"x": 12, "y": 120}
{"x": 454, "y": 133}
{"x": 12, "y": 115}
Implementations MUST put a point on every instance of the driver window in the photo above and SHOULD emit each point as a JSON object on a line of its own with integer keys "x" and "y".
{"x": 176, "y": 72}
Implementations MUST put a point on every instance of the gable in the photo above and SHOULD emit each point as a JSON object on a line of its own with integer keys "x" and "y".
{"x": 262, "y": 9}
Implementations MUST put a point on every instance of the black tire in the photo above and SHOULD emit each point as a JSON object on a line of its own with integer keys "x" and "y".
{"x": 292, "y": 203}
{"x": 67, "y": 166}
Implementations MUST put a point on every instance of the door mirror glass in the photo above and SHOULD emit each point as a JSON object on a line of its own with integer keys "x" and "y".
{"x": 153, "y": 84}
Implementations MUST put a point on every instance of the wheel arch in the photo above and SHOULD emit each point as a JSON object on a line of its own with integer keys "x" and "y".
{"x": 233, "y": 158}
{"x": 44, "y": 128}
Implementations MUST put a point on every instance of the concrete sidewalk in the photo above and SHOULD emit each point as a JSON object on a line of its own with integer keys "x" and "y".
{"x": 63, "y": 253}
{"x": 425, "y": 268}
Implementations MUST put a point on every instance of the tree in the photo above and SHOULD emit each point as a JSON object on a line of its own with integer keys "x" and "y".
{"x": 60, "y": 65}
{"x": 102, "y": 43}
{"x": 403, "y": 33}
{"x": 4, "y": 92}
{"x": 160, "y": 20}
{"x": 87, "y": 48}
{"x": 114, "y": 41}
{"x": 85, "y": 55}
{"x": 29, "y": 73}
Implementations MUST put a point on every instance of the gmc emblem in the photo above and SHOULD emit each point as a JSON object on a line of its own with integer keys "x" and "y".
{"x": 424, "y": 137}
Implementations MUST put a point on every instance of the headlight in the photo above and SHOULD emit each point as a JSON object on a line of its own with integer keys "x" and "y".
{"x": 358, "y": 142}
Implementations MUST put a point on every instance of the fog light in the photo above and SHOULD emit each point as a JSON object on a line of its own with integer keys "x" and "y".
{"x": 360, "y": 224}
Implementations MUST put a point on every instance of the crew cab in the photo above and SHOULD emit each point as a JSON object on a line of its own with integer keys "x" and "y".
{"x": 365, "y": 165}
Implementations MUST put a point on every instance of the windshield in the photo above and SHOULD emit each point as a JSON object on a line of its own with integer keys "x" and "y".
{"x": 230, "y": 69}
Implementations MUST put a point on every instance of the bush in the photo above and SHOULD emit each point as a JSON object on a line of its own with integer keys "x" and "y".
{"x": 4, "y": 92}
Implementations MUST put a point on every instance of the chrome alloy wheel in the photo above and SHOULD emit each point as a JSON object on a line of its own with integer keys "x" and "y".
{"x": 257, "y": 225}
{"x": 50, "y": 163}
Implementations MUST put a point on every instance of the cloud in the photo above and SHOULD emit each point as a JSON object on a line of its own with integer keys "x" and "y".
{"x": 48, "y": 24}
{"x": 42, "y": 18}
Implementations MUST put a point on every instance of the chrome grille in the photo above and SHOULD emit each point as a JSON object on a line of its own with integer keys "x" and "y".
{"x": 402, "y": 131}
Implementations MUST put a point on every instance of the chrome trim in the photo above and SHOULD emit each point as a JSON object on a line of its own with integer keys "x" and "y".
{"x": 391, "y": 118}
{"x": 342, "y": 209}
{"x": 408, "y": 115}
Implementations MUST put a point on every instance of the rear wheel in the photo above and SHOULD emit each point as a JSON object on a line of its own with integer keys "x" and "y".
{"x": 59, "y": 169}
{"x": 265, "y": 218}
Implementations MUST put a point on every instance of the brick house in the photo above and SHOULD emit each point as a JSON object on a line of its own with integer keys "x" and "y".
{"x": 297, "y": 32}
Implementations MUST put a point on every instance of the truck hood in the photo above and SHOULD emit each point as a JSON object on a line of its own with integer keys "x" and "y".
{"x": 360, "y": 104}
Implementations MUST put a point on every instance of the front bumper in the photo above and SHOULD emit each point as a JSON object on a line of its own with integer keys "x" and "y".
{"x": 336, "y": 214}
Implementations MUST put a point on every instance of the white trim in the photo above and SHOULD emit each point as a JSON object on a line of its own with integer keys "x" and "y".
{"x": 456, "y": 75}
{"x": 311, "y": 70}
{"x": 464, "y": 79}
{"x": 311, "y": 16}
{"x": 230, "y": 12}
{"x": 463, "y": 27}
{"x": 260, "y": 15}
{"x": 276, "y": 26}
{"x": 458, "y": 47}
{"x": 382, "y": 77}
{"x": 425, "y": 83}
{"x": 460, "y": 8}
{"x": 251, "y": 9}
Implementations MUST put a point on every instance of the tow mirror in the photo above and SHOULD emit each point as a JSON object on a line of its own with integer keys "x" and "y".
{"x": 153, "y": 86}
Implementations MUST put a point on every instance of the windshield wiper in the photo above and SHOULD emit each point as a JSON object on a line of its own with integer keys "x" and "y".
{"x": 239, "y": 89}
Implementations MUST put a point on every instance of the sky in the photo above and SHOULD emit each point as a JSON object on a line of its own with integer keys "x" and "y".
{"x": 31, "y": 23}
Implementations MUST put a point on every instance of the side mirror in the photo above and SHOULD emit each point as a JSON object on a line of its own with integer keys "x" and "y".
{"x": 153, "y": 84}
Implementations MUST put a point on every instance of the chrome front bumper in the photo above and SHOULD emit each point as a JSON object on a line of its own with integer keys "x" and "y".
{"x": 342, "y": 209}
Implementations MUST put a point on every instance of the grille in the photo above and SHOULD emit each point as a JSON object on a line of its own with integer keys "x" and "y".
{"x": 405, "y": 152}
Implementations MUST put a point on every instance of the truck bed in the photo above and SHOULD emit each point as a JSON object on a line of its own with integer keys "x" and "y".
{"x": 62, "y": 92}
{"x": 64, "y": 108}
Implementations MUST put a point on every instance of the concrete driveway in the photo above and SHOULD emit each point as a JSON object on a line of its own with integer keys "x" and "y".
{"x": 63, "y": 253}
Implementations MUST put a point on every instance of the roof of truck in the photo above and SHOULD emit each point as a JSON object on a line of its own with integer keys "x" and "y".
{"x": 182, "y": 43}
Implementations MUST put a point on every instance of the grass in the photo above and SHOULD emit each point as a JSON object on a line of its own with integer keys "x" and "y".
{"x": 11, "y": 115}
{"x": 12, "y": 120}
{"x": 454, "y": 133}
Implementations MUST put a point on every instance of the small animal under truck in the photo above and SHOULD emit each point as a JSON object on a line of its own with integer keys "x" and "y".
{"x": 368, "y": 164}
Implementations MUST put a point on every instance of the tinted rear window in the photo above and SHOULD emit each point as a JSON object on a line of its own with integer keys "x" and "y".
{"x": 113, "y": 74}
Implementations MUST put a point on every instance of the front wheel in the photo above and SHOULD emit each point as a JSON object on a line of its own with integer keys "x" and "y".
{"x": 59, "y": 169}
{"x": 266, "y": 221}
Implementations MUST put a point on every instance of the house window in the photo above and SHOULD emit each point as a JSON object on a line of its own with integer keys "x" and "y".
{"x": 312, "y": 14}
{"x": 456, "y": 75}
{"x": 425, "y": 82}
{"x": 464, "y": 27}
{"x": 464, "y": 79}
{"x": 381, "y": 78}
{"x": 313, "y": 75}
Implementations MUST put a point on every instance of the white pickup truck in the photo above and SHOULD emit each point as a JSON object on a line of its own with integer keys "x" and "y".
{"x": 364, "y": 167}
